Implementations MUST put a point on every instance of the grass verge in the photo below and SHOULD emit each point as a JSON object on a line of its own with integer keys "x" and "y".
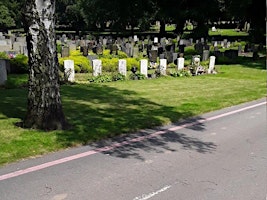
{"x": 98, "y": 111}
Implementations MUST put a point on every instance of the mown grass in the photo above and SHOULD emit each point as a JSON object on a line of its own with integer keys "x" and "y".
{"x": 227, "y": 32}
{"x": 98, "y": 111}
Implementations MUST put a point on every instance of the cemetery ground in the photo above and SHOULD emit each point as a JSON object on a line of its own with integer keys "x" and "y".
{"x": 98, "y": 111}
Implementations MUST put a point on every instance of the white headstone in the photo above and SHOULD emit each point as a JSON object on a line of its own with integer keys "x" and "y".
{"x": 215, "y": 44}
{"x": 143, "y": 66}
{"x": 163, "y": 66}
{"x": 180, "y": 63}
{"x": 3, "y": 72}
{"x": 122, "y": 67}
{"x": 156, "y": 40}
{"x": 69, "y": 70}
{"x": 97, "y": 67}
{"x": 213, "y": 29}
{"x": 211, "y": 64}
{"x": 228, "y": 45}
{"x": 135, "y": 38}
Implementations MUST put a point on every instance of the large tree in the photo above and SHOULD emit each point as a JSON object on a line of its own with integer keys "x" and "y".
{"x": 44, "y": 102}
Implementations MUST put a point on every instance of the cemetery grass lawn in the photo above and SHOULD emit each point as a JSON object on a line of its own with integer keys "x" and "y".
{"x": 99, "y": 111}
{"x": 227, "y": 32}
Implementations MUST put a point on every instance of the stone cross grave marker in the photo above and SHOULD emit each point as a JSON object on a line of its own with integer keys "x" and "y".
{"x": 3, "y": 72}
{"x": 69, "y": 72}
{"x": 122, "y": 68}
{"x": 211, "y": 64}
{"x": 143, "y": 66}
{"x": 97, "y": 67}
{"x": 180, "y": 63}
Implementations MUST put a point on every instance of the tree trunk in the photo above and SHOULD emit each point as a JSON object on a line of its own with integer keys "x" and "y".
{"x": 162, "y": 30}
{"x": 44, "y": 103}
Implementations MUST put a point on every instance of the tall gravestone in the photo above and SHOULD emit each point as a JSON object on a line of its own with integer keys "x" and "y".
{"x": 3, "y": 72}
{"x": 180, "y": 63}
{"x": 97, "y": 67}
{"x": 122, "y": 68}
{"x": 143, "y": 66}
{"x": 69, "y": 72}
{"x": 211, "y": 64}
{"x": 163, "y": 66}
{"x": 205, "y": 55}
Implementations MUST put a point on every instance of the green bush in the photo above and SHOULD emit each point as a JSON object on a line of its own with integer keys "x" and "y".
{"x": 3, "y": 55}
{"x": 81, "y": 63}
{"x": 132, "y": 62}
{"x": 19, "y": 64}
{"x": 110, "y": 65}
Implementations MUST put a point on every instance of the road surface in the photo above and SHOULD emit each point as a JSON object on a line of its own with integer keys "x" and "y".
{"x": 217, "y": 156}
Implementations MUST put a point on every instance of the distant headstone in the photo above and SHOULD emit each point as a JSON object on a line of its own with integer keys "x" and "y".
{"x": 69, "y": 72}
{"x": 122, "y": 68}
{"x": 3, "y": 72}
{"x": 163, "y": 66}
{"x": 97, "y": 67}
{"x": 153, "y": 54}
{"x": 143, "y": 66}
{"x": 180, "y": 63}
{"x": 205, "y": 55}
{"x": 65, "y": 52}
{"x": 213, "y": 29}
{"x": 174, "y": 57}
{"x": 156, "y": 40}
{"x": 211, "y": 65}
{"x": 228, "y": 44}
{"x": 169, "y": 56}
{"x": 135, "y": 38}
{"x": 161, "y": 56}
{"x": 135, "y": 51}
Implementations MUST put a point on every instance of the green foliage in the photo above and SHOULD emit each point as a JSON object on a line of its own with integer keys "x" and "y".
{"x": 3, "y": 55}
{"x": 81, "y": 63}
{"x": 137, "y": 76}
{"x": 132, "y": 62}
{"x": 106, "y": 54}
{"x": 6, "y": 20}
{"x": 19, "y": 64}
{"x": 104, "y": 78}
{"x": 110, "y": 65}
{"x": 180, "y": 73}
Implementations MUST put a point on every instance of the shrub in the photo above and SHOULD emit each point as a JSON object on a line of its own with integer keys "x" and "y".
{"x": 110, "y": 65}
{"x": 19, "y": 64}
{"x": 132, "y": 62}
{"x": 81, "y": 63}
{"x": 3, "y": 55}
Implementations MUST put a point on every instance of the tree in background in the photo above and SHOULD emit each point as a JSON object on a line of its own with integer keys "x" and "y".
{"x": 6, "y": 20}
{"x": 44, "y": 103}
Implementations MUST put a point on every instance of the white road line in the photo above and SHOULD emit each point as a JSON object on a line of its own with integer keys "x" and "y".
{"x": 152, "y": 194}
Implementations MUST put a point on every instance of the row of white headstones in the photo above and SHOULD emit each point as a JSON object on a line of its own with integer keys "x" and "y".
{"x": 122, "y": 67}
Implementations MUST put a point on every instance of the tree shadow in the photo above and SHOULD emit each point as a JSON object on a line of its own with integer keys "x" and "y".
{"x": 98, "y": 112}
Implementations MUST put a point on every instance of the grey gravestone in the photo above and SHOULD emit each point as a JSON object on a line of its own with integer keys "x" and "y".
{"x": 143, "y": 66}
{"x": 169, "y": 57}
{"x": 239, "y": 48}
{"x": 69, "y": 72}
{"x": 174, "y": 57}
{"x": 163, "y": 66}
{"x": 91, "y": 58}
{"x": 3, "y": 72}
{"x": 180, "y": 63}
{"x": 211, "y": 65}
{"x": 122, "y": 68}
{"x": 153, "y": 54}
{"x": 161, "y": 56}
{"x": 205, "y": 55}
{"x": 136, "y": 52}
{"x": 65, "y": 52}
{"x": 97, "y": 67}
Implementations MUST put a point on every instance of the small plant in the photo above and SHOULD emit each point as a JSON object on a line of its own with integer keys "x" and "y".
{"x": 137, "y": 76}
{"x": 118, "y": 77}
{"x": 103, "y": 78}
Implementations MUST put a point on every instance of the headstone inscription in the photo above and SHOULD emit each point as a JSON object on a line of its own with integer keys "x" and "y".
{"x": 122, "y": 68}
{"x": 97, "y": 67}
{"x": 69, "y": 72}
{"x": 143, "y": 66}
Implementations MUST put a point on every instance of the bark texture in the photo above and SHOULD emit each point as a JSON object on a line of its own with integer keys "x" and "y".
{"x": 44, "y": 103}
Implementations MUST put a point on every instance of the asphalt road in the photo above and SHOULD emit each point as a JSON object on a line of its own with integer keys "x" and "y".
{"x": 218, "y": 156}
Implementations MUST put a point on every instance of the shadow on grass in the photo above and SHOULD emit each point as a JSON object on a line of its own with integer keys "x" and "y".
{"x": 98, "y": 112}
{"x": 259, "y": 63}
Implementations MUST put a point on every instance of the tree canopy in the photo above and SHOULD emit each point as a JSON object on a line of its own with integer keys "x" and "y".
{"x": 119, "y": 15}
